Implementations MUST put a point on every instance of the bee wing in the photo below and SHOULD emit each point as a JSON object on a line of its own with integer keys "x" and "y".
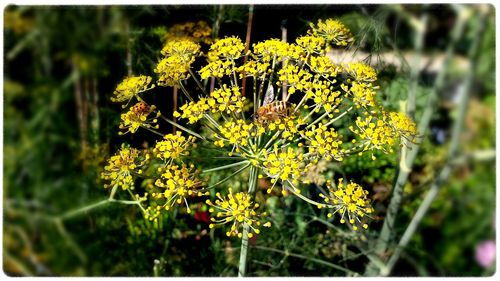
{"x": 269, "y": 97}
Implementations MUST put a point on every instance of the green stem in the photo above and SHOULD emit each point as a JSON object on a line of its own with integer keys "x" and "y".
{"x": 406, "y": 162}
{"x": 252, "y": 187}
{"x": 181, "y": 127}
{"x": 286, "y": 253}
{"x": 443, "y": 175}
{"x": 225, "y": 167}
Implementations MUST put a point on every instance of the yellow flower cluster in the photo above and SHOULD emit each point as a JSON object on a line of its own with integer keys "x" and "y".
{"x": 130, "y": 87}
{"x": 361, "y": 72}
{"x": 236, "y": 134}
{"x": 404, "y": 125}
{"x": 334, "y": 31}
{"x": 228, "y": 48}
{"x": 137, "y": 116}
{"x": 217, "y": 69}
{"x": 350, "y": 199}
{"x": 323, "y": 66}
{"x": 384, "y": 132}
{"x": 180, "y": 54}
{"x": 122, "y": 166}
{"x": 185, "y": 49}
{"x": 268, "y": 50}
{"x": 239, "y": 210}
{"x": 173, "y": 145}
{"x": 177, "y": 183}
{"x": 227, "y": 100}
{"x": 193, "y": 111}
{"x": 288, "y": 126}
{"x": 254, "y": 68}
{"x": 323, "y": 142}
{"x": 312, "y": 44}
{"x": 362, "y": 95}
{"x": 323, "y": 94}
{"x": 294, "y": 76}
{"x": 283, "y": 165}
{"x": 198, "y": 31}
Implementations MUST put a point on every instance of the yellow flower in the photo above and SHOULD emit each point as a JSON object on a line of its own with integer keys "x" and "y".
{"x": 383, "y": 132}
{"x": 173, "y": 145}
{"x": 193, "y": 111}
{"x": 323, "y": 142}
{"x": 122, "y": 166}
{"x": 227, "y": 100}
{"x": 198, "y": 31}
{"x": 312, "y": 44}
{"x": 333, "y": 31}
{"x": 323, "y": 93}
{"x": 294, "y": 76}
{"x": 228, "y": 48}
{"x": 288, "y": 125}
{"x": 361, "y": 72}
{"x": 237, "y": 209}
{"x": 171, "y": 70}
{"x": 271, "y": 49}
{"x": 217, "y": 69}
{"x": 362, "y": 95}
{"x": 350, "y": 201}
{"x": 137, "y": 116}
{"x": 236, "y": 134}
{"x": 177, "y": 183}
{"x": 130, "y": 87}
{"x": 254, "y": 69}
{"x": 185, "y": 49}
{"x": 323, "y": 66}
{"x": 284, "y": 165}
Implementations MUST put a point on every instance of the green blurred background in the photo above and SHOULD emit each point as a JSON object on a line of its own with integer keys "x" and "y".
{"x": 61, "y": 64}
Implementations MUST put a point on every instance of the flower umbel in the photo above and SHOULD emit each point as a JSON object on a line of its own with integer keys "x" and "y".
{"x": 130, "y": 87}
{"x": 237, "y": 209}
{"x": 122, "y": 166}
{"x": 177, "y": 183}
{"x": 348, "y": 199}
{"x": 137, "y": 116}
{"x": 173, "y": 145}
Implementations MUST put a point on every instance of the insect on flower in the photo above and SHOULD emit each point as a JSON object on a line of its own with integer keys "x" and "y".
{"x": 272, "y": 110}
{"x": 141, "y": 108}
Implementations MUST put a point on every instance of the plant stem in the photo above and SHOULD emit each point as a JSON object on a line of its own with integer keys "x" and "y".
{"x": 286, "y": 253}
{"x": 406, "y": 162}
{"x": 252, "y": 187}
{"x": 455, "y": 140}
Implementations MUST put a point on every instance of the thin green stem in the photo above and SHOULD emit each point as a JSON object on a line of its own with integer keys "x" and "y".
{"x": 198, "y": 83}
{"x": 286, "y": 253}
{"x": 252, "y": 187}
{"x": 181, "y": 127}
{"x": 225, "y": 167}
{"x": 229, "y": 177}
{"x": 382, "y": 242}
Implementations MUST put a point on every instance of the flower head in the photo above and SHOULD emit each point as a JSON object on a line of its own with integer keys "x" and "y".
{"x": 283, "y": 165}
{"x": 237, "y": 209}
{"x": 350, "y": 201}
{"x": 227, "y": 100}
{"x": 236, "y": 134}
{"x": 172, "y": 146}
{"x": 333, "y": 31}
{"x": 323, "y": 142}
{"x": 130, "y": 87}
{"x": 177, "y": 183}
{"x": 228, "y": 48}
{"x": 185, "y": 49}
{"x": 138, "y": 116}
{"x": 312, "y": 44}
{"x": 193, "y": 111}
{"x": 171, "y": 70}
{"x": 198, "y": 31}
{"x": 121, "y": 167}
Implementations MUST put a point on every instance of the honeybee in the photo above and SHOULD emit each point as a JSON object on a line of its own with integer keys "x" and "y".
{"x": 272, "y": 110}
{"x": 141, "y": 108}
